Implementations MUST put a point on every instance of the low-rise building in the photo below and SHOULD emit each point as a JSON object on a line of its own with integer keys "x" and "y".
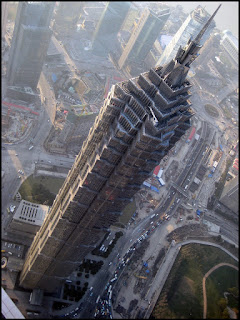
{"x": 28, "y": 218}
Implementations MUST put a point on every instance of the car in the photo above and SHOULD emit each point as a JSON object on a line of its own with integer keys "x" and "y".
{"x": 19, "y": 177}
{"x": 16, "y": 154}
{"x": 49, "y": 161}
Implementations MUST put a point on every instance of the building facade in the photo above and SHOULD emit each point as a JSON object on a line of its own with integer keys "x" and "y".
{"x": 31, "y": 37}
{"x": 139, "y": 122}
{"x": 4, "y": 14}
{"x": 112, "y": 18}
{"x": 189, "y": 29}
{"x": 143, "y": 36}
{"x": 230, "y": 195}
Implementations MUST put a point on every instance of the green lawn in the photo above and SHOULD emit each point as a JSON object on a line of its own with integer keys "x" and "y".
{"x": 181, "y": 297}
{"x": 40, "y": 189}
{"x": 216, "y": 284}
{"x": 128, "y": 211}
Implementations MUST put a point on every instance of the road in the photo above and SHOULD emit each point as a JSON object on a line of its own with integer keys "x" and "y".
{"x": 17, "y": 156}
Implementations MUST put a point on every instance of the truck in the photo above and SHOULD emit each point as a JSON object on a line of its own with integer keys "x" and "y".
{"x": 153, "y": 215}
{"x": 161, "y": 182}
{"x": 30, "y": 148}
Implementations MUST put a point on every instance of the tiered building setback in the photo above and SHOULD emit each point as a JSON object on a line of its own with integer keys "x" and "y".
{"x": 139, "y": 122}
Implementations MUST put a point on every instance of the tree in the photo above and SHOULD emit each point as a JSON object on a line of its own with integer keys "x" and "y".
{"x": 225, "y": 314}
{"x": 222, "y": 303}
{"x": 234, "y": 291}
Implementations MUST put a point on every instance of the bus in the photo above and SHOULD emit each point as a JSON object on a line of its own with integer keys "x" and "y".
{"x": 30, "y": 148}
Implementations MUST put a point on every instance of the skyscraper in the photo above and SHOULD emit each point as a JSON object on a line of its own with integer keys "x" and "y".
{"x": 189, "y": 29}
{"x": 139, "y": 122}
{"x": 230, "y": 46}
{"x": 230, "y": 195}
{"x": 143, "y": 36}
{"x": 30, "y": 42}
{"x": 109, "y": 25}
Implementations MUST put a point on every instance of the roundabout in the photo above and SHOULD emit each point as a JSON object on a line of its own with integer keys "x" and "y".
{"x": 211, "y": 111}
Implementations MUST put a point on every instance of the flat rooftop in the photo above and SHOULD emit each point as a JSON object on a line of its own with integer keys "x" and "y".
{"x": 32, "y": 213}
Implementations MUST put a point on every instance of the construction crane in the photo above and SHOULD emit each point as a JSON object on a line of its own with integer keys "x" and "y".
{"x": 81, "y": 98}
{"x": 82, "y": 25}
{"x": 141, "y": 277}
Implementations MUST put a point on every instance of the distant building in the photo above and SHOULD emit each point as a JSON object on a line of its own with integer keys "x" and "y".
{"x": 4, "y": 13}
{"x": 143, "y": 36}
{"x": 235, "y": 167}
{"x": 230, "y": 195}
{"x": 21, "y": 93}
{"x": 209, "y": 50}
{"x": 110, "y": 23}
{"x": 229, "y": 44}
{"x": 53, "y": 52}
{"x": 28, "y": 218}
{"x": 189, "y": 29}
{"x": 30, "y": 42}
{"x": 68, "y": 13}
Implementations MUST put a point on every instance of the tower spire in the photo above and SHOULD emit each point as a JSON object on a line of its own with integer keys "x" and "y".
{"x": 199, "y": 36}
{"x": 185, "y": 56}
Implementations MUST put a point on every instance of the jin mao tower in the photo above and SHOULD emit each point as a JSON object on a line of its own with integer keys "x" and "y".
{"x": 139, "y": 122}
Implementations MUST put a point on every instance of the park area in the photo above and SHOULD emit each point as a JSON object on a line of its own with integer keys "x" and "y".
{"x": 182, "y": 294}
{"x": 40, "y": 189}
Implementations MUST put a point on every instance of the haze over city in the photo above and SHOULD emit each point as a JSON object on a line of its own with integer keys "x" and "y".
{"x": 120, "y": 160}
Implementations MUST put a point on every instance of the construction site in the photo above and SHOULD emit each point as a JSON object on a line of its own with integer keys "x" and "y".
{"x": 17, "y": 120}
